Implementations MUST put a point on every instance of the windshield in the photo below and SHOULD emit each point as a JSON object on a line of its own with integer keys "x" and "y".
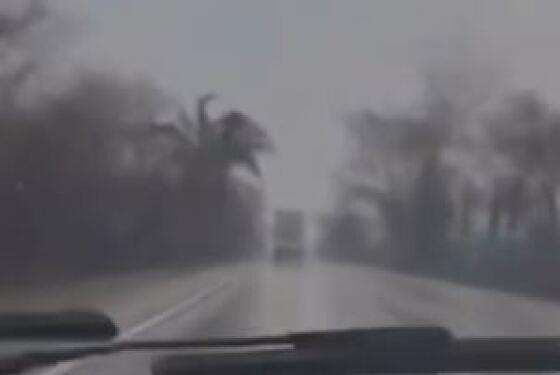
{"x": 235, "y": 168}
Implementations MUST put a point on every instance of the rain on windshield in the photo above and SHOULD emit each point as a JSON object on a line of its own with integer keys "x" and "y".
{"x": 234, "y": 168}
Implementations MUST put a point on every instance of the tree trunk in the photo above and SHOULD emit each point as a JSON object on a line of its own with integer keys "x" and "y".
{"x": 494, "y": 213}
{"x": 466, "y": 212}
{"x": 549, "y": 195}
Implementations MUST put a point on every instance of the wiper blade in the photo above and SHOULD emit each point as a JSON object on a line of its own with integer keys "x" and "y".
{"x": 330, "y": 352}
{"x": 421, "y": 356}
{"x": 387, "y": 350}
{"x": 64, "y": 325}
{"x": 389, "y": 337}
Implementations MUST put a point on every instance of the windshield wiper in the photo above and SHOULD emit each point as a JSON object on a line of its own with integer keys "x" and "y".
{"x": 391, "y": 337}
{"x": 484, "y": 355}
{"x": 412, "y": 350}
{"x": 427, "y": 350}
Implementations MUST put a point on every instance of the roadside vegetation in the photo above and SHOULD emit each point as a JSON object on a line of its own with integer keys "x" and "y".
{"x": 101, "y": 173}
{"x": 462, "y": 186}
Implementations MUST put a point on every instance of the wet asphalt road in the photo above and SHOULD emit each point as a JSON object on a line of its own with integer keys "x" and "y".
{"x": 264, "y": 298}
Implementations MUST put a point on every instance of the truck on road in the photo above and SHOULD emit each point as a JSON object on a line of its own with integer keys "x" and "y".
{"x": 288, "y": 235}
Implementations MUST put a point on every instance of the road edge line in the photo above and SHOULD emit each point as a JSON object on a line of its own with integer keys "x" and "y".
{"x": 189, "y": 302}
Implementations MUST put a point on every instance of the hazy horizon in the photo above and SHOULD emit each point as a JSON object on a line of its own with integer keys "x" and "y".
{"x": 300, "y": 67}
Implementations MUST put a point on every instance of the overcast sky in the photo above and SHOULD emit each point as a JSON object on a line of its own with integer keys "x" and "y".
{"x": 298, "y": 66}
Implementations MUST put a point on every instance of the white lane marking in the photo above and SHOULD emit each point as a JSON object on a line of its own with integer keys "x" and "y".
{"x": 66, "y": 367}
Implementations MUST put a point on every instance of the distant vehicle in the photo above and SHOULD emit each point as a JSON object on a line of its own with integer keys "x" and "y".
{"x": 288, "y": 235}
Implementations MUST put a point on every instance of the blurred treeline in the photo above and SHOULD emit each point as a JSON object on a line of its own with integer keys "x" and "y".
{"x": 463, "y": 186}
{"x": 104, "y": 174}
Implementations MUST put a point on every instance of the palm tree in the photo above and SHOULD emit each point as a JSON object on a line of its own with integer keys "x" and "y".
{"x": 233, "y": 139}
